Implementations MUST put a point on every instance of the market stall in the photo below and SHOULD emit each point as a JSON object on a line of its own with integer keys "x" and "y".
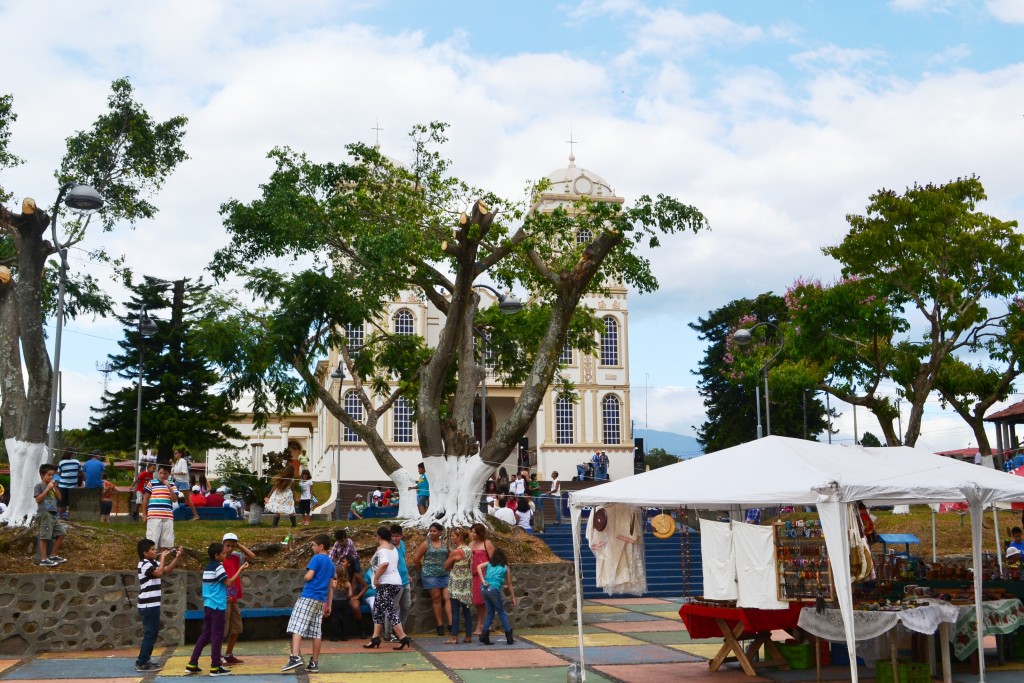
{"x": 781, "y": 471}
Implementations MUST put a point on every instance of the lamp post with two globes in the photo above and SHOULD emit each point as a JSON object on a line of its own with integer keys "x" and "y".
{"x": 743, "y": 337}
{"x": 147, "y": 328}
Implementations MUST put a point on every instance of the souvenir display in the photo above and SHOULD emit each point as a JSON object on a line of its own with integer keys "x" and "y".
{"x": 801, "y": 560}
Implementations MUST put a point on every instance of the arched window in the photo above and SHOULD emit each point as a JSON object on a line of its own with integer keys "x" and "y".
{"x": 564, "y": 422}
{"x": 354, "y": 337}
{"x": 566, "y": 357}
{"x": 354, "y": 407}
{"x": 610, "y": 342}
{"x": 612, "y": 419}
{"x": 404, "y": 323}
{"x": 402, "y": 414}
{"x": 583, "y": 236}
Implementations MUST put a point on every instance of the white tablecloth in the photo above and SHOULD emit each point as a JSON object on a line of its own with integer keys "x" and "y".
{"x": 868, "y": 625}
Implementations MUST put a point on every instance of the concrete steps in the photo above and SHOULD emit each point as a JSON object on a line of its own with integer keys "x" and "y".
{"x": 663, "y": 560}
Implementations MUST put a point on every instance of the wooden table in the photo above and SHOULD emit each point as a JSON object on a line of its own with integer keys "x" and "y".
{"x": 735, "y": 623}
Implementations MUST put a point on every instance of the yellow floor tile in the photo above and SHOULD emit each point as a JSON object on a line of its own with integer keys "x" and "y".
{"x": 665, "y": 615}
{"x": 602, "y": 609}
{"x": 589, "y": 640}
{"x": 6, "y": 664}
{"x": 706, "y": 650}
{"x": 376, "y": 676}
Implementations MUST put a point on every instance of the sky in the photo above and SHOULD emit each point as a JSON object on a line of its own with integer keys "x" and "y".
{"x": 775, "y": 119}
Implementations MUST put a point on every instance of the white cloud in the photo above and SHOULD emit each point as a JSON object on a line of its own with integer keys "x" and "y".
{"x": 835, "y": 57}
{"x": 923, "y": 5}
{"x": 1010, "y": 11}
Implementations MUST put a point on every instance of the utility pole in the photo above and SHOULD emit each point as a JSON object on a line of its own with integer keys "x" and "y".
{"x": 828, "y": 411}
{"x": 805, "y": 413}
{"x": 856, "y": 441}
{"x": 899, "y": 419}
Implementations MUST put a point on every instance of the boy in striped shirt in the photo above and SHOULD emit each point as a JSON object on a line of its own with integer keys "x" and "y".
{"x": 215, "y": 604}
{"x": 158, "y": 509}
{"x": 67, "y": 479}
{"x": 151, "y": 570}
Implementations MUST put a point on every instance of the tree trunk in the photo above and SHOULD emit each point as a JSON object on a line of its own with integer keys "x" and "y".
{"x": 25, "y": 460}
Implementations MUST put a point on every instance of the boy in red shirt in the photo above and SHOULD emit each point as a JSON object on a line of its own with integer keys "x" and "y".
{"x": 234, "y": 555}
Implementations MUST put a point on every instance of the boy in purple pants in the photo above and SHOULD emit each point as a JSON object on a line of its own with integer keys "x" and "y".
{"x": 215, "y": 605}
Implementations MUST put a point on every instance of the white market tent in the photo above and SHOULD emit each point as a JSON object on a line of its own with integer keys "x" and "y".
{"x": 782, "y": 471}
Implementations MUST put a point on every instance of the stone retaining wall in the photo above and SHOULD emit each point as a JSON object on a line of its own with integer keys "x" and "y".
{"x": 90, "y": 611}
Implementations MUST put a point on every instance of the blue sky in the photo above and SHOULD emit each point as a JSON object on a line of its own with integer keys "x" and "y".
{"x": 775, "y": 118}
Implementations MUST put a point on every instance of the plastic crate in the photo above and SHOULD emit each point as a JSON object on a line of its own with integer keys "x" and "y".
{"x": 909, "y": 672}
{"x": 797, "y": 655}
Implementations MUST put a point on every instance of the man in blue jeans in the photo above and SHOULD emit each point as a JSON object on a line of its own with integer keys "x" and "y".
{"x": 555, "y": 494}
{"x": 151, "y": 570}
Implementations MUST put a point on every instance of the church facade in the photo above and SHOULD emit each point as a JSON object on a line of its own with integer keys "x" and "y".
{"x": 564, "y": 433}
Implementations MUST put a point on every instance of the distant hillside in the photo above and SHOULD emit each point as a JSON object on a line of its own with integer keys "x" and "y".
{"x": 679, "y": 445}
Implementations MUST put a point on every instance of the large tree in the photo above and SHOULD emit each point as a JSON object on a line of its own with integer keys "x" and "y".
{"x": 179, "y": 405}
{"x": 923, "y": 261}
{"x": 729, "y": 392}
{"x": 366, "y": 231}
{"x": 126, "y": 156}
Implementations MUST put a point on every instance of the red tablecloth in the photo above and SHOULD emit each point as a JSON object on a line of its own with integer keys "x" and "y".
{"x": 700, "y": 620}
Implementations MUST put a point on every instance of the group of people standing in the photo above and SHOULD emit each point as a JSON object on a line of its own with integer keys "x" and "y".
{"x": 518, "y": 500}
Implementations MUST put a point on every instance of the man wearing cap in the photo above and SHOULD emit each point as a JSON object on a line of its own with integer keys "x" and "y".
{"x": 234, "y": 555}
{"x": 94, "y": 471}
{"x": 198, "y": 500}
{"x": 355, "y": 511}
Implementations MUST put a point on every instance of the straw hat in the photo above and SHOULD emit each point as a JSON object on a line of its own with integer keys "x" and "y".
{"x": 663, "y": 525}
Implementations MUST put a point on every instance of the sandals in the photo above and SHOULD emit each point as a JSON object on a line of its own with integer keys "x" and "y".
{"x": 450, "y": 641}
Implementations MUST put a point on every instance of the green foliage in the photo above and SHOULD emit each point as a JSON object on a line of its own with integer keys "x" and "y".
{"x": 658, "y": 457}
{"x": 126, "y": 157}
{"x": 179, "y": 406}
{"x": 7, "y": 158}
{"x": 926, "y": 255}
{"x": 243, "y": 483}
{"x": 870, "y": 440}
{"x": 728, "y": 376}
{"x": 367, "y": 232}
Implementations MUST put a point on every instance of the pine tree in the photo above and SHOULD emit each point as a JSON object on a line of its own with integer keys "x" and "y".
{"x": 179, "y": 407}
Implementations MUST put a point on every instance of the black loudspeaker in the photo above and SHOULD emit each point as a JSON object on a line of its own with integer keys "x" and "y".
{"x": 639, "y": 457}
{"x": 524, "y": 453}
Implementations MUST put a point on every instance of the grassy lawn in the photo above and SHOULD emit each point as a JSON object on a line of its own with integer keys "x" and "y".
{"x": 95, "y": 546}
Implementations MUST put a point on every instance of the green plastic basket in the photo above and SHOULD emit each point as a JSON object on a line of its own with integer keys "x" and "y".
{"x": 909, "y": 672}
{"x": 797, "y": 655}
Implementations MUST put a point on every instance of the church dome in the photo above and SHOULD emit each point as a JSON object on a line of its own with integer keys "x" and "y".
{"x": 573, "y": 181}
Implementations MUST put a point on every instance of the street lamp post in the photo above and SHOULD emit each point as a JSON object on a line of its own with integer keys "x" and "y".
{"x": 338, "y": 375}
{"x": 743, "y": 337}
{"x": 147, "y": 328}
{"x": 82, "y": 199}
{"x": 508, "y": 305}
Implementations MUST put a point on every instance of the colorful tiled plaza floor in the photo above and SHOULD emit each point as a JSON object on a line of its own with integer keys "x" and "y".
{"x": 630, "y": 640}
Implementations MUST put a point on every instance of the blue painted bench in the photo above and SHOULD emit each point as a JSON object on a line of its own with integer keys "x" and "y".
{"x": 184, "y": 513}
{"x": 247, "y": 613}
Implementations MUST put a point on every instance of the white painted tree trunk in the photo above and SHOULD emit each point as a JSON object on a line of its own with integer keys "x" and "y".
{"x": 456, "y": 489}
{"x": 403, "y": 479}
{"x": 25, "y": 461}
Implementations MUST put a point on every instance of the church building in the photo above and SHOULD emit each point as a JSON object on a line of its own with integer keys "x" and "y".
{"x": 564, "y": 433}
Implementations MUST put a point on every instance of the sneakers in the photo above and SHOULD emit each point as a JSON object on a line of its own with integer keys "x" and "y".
{"x": 294, "y": 662}
{"x": 58, "y": 559}
{"x": 47, "y": 563}
{"x": 231, "y": 659}
{"x": 193, "y": 669}
{"x": 148, "y": 666}
{"x": 220, "y": 671}
{"x": 313, "y": 667}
